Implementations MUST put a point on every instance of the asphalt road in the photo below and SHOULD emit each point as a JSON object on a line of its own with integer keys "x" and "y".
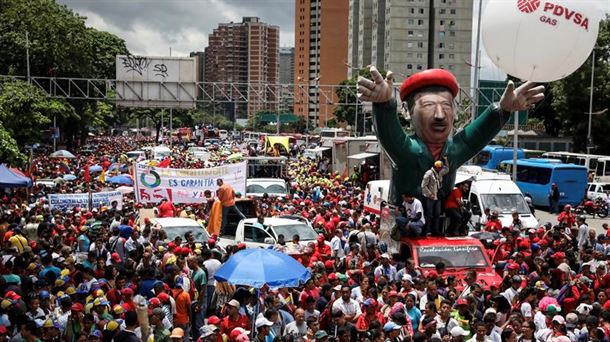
{"x": 544, "y": 217}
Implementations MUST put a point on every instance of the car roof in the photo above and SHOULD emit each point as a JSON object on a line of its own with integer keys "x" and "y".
{"x": 266, "y": 180}
{"x": 175, "y": 222}
{"x": 275, "y": 221}
{"x": 440, "y": 241}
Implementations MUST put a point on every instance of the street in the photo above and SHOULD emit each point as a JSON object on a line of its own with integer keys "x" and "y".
{"x": 544, "y": 217}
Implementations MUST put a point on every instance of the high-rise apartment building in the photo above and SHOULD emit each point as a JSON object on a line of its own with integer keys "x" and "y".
{"x": 406, "y": 38}
{"x": 286, "y": 65}
{"x": 321, "y": 51}
{"x": 360, "y": 34}
{"x": 246, "y": 56}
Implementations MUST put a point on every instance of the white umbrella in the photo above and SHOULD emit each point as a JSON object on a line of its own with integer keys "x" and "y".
{"x": 125, "y": 189}
{"x": 62, "y": 154}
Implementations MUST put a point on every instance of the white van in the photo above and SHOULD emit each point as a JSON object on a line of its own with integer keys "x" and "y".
{"x": 136, "y": 155}
{"x": 497, "y": 192}
{"x": 375, "y": 193}
{"x": 598, "y": 190}
{"x": 160, "y": 152}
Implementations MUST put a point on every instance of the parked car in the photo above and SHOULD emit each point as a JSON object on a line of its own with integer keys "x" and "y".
{"x": 598, "y": 190}
{"x": 177, "y": 226}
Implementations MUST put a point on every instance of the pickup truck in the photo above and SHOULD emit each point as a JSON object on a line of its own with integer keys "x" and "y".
{"x": 459, "y": 254}
{"x": 250, "y": 232}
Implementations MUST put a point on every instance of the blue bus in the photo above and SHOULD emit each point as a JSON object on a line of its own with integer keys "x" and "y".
{"x": 490, "y": 157}
{"x": 535, "y": 176}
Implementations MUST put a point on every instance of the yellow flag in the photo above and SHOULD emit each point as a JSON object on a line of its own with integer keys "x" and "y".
{"x": 103, "y": 177}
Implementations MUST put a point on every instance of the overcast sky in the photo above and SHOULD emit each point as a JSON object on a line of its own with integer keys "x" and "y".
{"x": 152, "y": 27}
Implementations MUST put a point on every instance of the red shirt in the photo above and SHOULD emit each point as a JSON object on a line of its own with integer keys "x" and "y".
{"x": 167, "y": 209}
{"x": 227, "y": 325}
{"x": 454, "y": 198}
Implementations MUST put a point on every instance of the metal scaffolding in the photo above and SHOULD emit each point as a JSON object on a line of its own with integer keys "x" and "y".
{"x": 278, "y": 95}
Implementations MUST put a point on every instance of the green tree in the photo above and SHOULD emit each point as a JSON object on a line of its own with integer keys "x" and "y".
{"x": 570, "y": 98}
{"x": 345, "y": 111}
{"x": 9, "y": 151}
{"x": 26, "y": 113}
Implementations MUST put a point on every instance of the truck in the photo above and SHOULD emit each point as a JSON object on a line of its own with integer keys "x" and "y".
{"x": 255, "y": 235}
{"x": 459, "y": 254}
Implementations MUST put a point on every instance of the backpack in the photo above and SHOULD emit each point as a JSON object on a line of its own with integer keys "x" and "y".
{"x": 326, "y": 315}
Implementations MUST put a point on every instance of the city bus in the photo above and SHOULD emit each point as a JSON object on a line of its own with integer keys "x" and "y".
{"x": 602, "y": 171}
{"x": 535, "y": 177}
{"x": 587, "y": 160}
{"x": 490, "y": 157}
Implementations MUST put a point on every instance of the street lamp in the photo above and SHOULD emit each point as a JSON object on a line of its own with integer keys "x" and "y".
{"x": 317, "y": 103}
{"x": 589, "y": 138}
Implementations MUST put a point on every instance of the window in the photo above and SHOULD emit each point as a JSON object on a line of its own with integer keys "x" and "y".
{"x": 420, "y": 45}
{"x": 412, "y": 10}
{"x": 441, "y": 11}
{"x": 441, "y": 45}
{"x": 410, "y": 21}
{"x": 410, "y": 33}
{"x": 442, "y": 22}
{"x": 409, "y": 66}
{"x": 451, "y": 33}
{"x": 419, "y": 67}
{"x": 420, "y": 22}
{"x": 421, "y": 11}
{"x": 420, "y": 55}
{"x": 409, "y": 45}
{"x": 441, "y": 56}
{"x": 451, "y": 56}
{"x": 452, "y": 11}
{"x": 535, "y": 175}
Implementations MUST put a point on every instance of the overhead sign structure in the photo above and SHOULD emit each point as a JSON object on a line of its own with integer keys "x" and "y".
{"x": 161, "y": 82}
{"x": 82, "y": 200}
{"x": 185, "y": 185}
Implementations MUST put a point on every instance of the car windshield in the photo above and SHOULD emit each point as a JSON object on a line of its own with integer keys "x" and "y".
{"x": 262, "y": 188}
{"x": 289, "y": 230}
{"x": 199, "y": 233}
{"x": 451, "y": 256}
{"x": 505, "y": 203}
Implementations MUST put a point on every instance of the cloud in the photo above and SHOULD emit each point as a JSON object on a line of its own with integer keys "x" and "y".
{"x": 151, "y": 27}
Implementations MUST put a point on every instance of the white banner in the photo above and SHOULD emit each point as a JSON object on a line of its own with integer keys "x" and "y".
{"x": 185, "y": 185}
{"x": 98, "y": 199}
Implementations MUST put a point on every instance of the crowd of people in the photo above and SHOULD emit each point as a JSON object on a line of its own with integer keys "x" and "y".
{"x": 96, "y": 275}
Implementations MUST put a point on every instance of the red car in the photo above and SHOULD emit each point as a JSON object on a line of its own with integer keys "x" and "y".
{"x": 459, "y": 254}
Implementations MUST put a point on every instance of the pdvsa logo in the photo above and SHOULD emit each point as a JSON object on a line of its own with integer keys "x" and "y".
{"x": 554, "y": 13}
{"x": 528, "y": 6}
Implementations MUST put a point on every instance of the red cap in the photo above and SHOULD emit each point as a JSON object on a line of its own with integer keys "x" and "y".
{"x": 214, "y": 320}
{"x": 146, "y": 220}
{"x": 127, "y": 291}
{"x": 332, "y": 276}
{"x": 211, "y": 241}
{"x": 163, "y": 297}
{"x": 329, "y": 264}
{"x": 558, "y": 255}
{"x": 392, "y": 294}
{"x": 241, "y": 245}
{"x": 78, "y": 307}
{"x": 513, "y": 266}
{"x": 432, "y": 274}
{"x": 154, "y": 302}
{"x": 115, "y": 257}
{"x": 12, "y": 295}
{"x": 430, "y": 77}
{"x": 461, "y": 301}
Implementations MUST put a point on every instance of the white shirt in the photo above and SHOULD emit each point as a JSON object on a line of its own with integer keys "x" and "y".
{"x": 336, "y": 248}
{"x": 212, "y": 265}
{"x": 510, "y": 294}
{"x": 414, "y": 208}
{"x": 349, "y": 308}
{"x": 296, "y": 330}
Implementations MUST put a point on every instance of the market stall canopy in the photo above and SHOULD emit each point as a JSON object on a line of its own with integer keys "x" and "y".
{"x": 9, "y": 179}
{"x": 362, "y": 155}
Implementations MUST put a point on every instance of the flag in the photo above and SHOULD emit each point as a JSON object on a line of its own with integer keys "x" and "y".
{"x": 165, "y": 162}
{"x": 87, "y": 175}
{"x": 103, "y": 177}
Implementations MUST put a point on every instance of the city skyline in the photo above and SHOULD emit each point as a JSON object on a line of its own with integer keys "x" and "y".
{"x": 152, "y": 27}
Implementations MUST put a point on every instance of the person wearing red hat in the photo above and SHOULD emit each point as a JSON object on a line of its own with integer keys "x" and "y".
{"x": 429, "y": 97}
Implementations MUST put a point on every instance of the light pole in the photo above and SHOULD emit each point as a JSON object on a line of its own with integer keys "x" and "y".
{"x": 477, "y": 61}
{"x": 589, "y": 138}
{"x": 317, "y": 103}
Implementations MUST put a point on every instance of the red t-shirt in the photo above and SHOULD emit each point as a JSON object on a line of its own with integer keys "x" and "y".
{"x": 454, "y": 198}
{"x": 227, "y": 325}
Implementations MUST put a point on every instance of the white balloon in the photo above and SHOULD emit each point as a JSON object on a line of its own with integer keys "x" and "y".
{"x": 540, "y": 41}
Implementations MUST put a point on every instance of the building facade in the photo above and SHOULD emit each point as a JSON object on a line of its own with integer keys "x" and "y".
{"x": 246, "y": 55}
{"x": 320, "y": 56}
{"x": 413, "y": 35}
{"x": 286, "y": 65}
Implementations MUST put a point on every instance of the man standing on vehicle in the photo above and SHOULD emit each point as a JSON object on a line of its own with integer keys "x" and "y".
{"x": 453, "y": 209}
{"x": 554, "y": 199}
{"x": 226, "y": 195}
{"x": 430, "y": 185}
{"x": 429, "y": 97}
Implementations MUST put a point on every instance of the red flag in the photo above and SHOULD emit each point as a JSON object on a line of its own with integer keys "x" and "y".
{"x": 165, "y": 162}
{"x": 87, "y": 175}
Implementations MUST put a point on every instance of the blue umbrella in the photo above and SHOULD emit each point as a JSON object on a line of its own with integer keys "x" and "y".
{"x": 95, "y": 168}
{"x": 69, "y": 177}
{"x": 257, "y": 267}
{"x": 120, "y": 179}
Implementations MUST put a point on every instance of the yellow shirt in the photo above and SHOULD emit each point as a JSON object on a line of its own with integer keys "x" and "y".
{"x": 18, "y": 241}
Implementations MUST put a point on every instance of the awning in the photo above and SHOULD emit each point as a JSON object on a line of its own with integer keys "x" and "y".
{"x": 373, "y": 147}
{"x": 317, "y": 149}
{"x": 284, "y": 118}
{"x": 362, "y": 155}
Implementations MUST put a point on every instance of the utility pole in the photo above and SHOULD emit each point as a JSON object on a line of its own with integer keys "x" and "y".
{"x": 477, "y": 61}
{"x": 27, "y": 53}
{"x": 515, "y": 143}
{"x": 171, "y": 125}
{"x": 589, "y": 138}
{"x": 431, "y": 33}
